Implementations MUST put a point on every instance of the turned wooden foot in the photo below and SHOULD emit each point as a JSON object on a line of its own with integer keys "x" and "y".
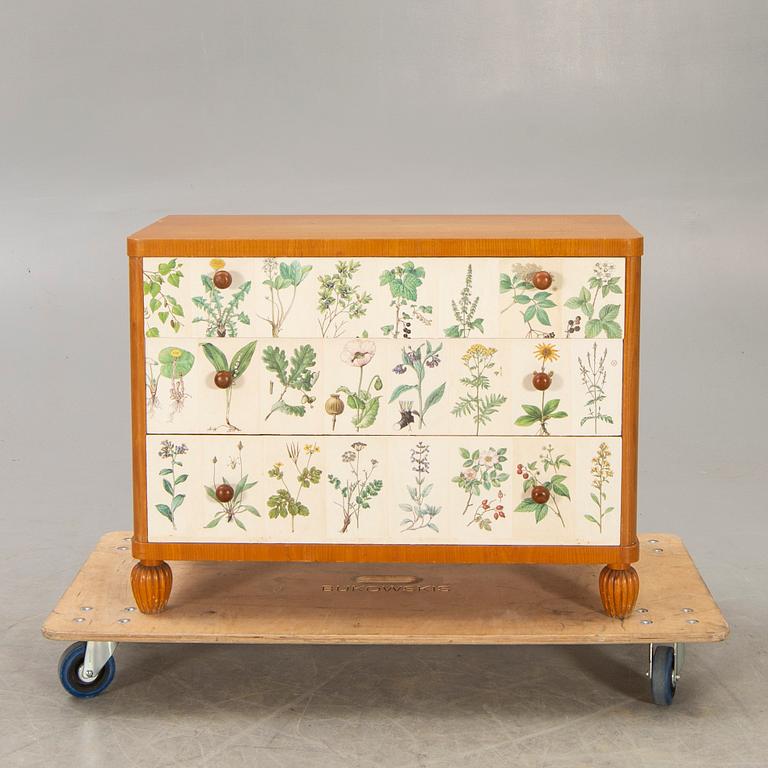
{"x": 151, "y": 582}
{"x": 619, "y": 585}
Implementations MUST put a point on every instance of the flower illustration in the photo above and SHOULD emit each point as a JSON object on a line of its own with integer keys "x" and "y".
{"x": 359, "y": 487}
{"x": 532, "y": 304}
{"x": 535, "y": 414}
{"x": 358, "y": 352}
{"x": 601, "y": 472}
{"x": 286, "y": 502}
{"x": 482, "y": 470}
{"x": 420, "y": 513}
{"x": 399, "y": 368}
{"x": 479, "y": 352}
{"x": 416, "y": 359}
{"x": 489, "y": 457}
{"x": 217, "y": 263}
{"x": 171, "y": 481}
{"x": 546, "y": 352}
{"x": 233, "y": 503}
{"x": 544, "y": 491}
{"x": 479, "y": 362}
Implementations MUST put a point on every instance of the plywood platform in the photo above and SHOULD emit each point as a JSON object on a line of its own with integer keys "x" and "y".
{"x": 388, "y": 603}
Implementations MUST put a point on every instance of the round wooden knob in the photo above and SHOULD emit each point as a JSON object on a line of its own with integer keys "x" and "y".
{"x": 222, "y": 379}
{"x": 222, "y": 278}
{"x": 539, "y": 494}
{"x": 542, "y": 280}
{"x": 226, "y": 492}
{"x": 541, "y": 381}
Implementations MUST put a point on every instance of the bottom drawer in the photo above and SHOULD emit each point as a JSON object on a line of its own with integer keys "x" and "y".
{"x": 384, "y": 490}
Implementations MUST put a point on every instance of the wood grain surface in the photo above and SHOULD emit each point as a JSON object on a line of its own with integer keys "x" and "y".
{"x": 388, "y": 603}
{"x": 345, "y": 236}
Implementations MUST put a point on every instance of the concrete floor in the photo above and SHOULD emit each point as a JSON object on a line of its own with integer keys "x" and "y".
{"x": 553, "y": 707}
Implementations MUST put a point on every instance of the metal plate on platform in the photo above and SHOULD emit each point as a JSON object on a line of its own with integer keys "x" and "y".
{"x": 388, "y": 603}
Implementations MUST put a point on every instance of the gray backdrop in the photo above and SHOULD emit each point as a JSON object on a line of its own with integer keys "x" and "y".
{"x": 114, "y": 113}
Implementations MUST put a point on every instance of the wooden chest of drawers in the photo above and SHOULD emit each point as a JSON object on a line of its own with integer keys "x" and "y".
{"x": 385, "y": 389}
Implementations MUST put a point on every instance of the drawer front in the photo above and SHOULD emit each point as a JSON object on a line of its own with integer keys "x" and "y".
{"x": 384, "y": 386}
{"x": 420, "y": 490}
{"x": 384, "y": 297}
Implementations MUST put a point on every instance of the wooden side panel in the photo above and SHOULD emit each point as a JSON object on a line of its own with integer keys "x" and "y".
{"x": 630, "y": 401}
{"x": 138, "y": 402}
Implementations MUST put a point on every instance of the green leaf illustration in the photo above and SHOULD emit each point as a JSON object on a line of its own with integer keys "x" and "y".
{"x": 276, "y": 362}
{"x": 216, "y": 357}
{"x": 242, "y": 359}
{"x": 434, "y": 397}
{"x": 175, "y": 362}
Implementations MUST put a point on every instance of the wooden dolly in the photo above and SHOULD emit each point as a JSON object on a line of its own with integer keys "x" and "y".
{"x": 399, "y": 604}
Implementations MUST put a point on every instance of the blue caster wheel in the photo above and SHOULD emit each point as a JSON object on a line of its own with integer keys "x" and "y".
{"x": 663, "y": 677}
{"x": 70, "y": 664}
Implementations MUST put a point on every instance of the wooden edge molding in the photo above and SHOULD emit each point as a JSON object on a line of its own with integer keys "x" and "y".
{"x": 138, "y": 402}
{"x": 395, "y": 553}
{"x": 397, "y": 248}
{"x": 630, "y": 396}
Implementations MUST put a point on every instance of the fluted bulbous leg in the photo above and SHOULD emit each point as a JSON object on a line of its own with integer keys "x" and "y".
{"x": 619, "y": 586}
{"x": 151, "y": 582}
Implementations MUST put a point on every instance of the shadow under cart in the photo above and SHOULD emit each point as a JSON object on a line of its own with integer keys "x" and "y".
{"x": 337, "y": 603}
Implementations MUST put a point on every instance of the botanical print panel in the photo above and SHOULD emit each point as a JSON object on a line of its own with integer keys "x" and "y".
{"x": 367, "y": 386}
{"x": 414, "y": 489}
{"x": 409, "y": 299}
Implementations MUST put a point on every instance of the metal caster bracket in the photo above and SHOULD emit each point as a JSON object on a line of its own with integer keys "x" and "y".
{"x": 97, "y": 654}
{"x": 678, "y": 657}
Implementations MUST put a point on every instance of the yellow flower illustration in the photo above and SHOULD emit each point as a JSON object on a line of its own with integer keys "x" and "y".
{"x": 479, "y": 352}
{"x": 176, "y": 352}
{"x": 217, "y": 263}
{"x": 311, "y": 448}
{"x": 546, "y": 352}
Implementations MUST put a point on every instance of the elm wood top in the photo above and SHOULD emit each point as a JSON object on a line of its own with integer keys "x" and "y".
{"x": 298, "y": 603}
{"x": 541, "y": 235}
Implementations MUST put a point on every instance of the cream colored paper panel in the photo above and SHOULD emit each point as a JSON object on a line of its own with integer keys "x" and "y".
{"x": 385, "y": 297}
{"x": 416, "y": 489}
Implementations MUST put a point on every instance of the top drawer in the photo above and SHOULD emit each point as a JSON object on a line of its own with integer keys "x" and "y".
{"x": 384, "y": 297}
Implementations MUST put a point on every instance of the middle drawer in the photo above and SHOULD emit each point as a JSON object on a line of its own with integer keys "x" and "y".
{"x": 267, "y": 386}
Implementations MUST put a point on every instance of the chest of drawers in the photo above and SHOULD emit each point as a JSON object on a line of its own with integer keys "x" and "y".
{"x": 385, "y": 389}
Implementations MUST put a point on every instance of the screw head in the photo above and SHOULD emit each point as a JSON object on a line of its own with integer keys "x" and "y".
{"x": 687, "y": 610}
{"x": 88, "y": 672}
{"x": 130, "y": 609}
{"x": 658, "y": 550}
{"x": 692, "y": 621}
{"x": 121, "y": 549}
{"x": 646, "y": 621}
{"x": 123, "y": 621}
{"x": 653, "y": 541}
{"x": 79, "y": 620}
{"x": 86, "y": 608}
{"x": 642, "y": 610}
